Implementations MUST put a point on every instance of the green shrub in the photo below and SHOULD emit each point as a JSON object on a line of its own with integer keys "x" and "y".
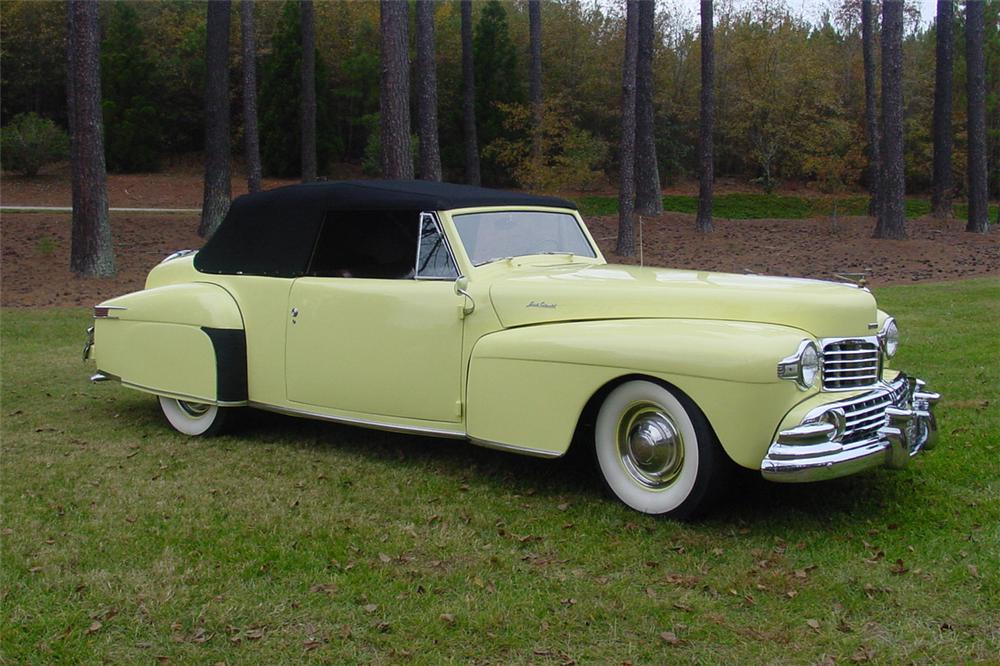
{"x": 130, "y": 87}
{"x": 30, "y": 142}
{"x": 280, "y": 103}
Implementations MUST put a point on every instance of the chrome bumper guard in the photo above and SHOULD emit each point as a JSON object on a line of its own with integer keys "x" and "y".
{"x": 814, "y": 450}
{"x": 89, "y": 343}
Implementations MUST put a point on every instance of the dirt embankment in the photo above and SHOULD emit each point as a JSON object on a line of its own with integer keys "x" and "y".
{"x": 35, "y": 247}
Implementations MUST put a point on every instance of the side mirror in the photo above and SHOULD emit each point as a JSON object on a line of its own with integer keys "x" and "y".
{"x": 462, "y": 289}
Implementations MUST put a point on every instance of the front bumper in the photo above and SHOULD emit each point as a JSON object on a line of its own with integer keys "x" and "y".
{"x": 885, "y": 427}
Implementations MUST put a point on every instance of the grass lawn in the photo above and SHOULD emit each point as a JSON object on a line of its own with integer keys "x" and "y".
{"x": 750, "y": 206}
{"x": 295, "y": 541}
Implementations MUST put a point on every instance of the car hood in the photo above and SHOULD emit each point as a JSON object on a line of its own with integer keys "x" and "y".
{"x": 541, "y": 294}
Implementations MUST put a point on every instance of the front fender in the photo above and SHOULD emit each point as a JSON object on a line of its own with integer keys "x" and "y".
{"x": 183, "y": 340}
{"x": 528, "y": 386}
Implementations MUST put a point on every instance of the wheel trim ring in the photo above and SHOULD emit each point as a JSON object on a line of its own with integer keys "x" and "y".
{"x": 650, "y": 446}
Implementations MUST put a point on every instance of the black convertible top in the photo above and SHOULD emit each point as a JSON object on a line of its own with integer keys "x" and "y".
{"x": 273, "y": 232}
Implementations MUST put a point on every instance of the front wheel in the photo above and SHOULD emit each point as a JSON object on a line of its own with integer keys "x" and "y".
{"x": 656, "y": 451}
{"x": 194, "y": 418}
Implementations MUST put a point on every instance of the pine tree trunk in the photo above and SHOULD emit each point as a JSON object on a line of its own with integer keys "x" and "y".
{"x": 217, "y": 183}
{"x": 706, "y": 124}
{"x": 427, "y": 101}
{"x": 874, "y": 170}
{"x": 648, "y": 195}
{"x": 250, "y": 133}
{"x": 535, "y": 83}
{"x": 91, "y": 250}
{"x": 892, "y": 218}
{"x": 472, "y": 171}
{"x": 397, "y": 158}
{"x": 626, "y": 187}
{"x": 976, "y": 96}
{"x": 941, "y": 189}
{"x": 307, "y": 29}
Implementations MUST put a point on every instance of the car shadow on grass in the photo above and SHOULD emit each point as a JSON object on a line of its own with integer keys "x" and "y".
{"x": 749, "y": 499}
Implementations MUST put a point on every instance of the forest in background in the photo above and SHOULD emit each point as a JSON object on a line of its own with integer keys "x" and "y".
{"x": 790, "y": 93}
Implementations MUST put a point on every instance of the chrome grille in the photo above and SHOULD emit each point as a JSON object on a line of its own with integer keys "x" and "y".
{"x": 850, "y": 363}
{"x": 865, "y": 414}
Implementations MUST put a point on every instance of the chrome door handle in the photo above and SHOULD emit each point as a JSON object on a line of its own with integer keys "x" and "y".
{"x": 295, "y": 312}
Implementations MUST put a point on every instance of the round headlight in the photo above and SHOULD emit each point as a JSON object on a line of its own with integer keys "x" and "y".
{"x": 890, "y": 337}
{"x": 808, "y": 365}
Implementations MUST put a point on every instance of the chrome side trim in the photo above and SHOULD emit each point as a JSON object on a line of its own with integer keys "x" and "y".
{"x": 513, "y": 448}
{"x": 364, "y": 423}
{"x": 182, "y": 396}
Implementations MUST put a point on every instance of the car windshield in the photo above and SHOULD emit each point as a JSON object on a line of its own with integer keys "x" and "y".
{"x": 491, "y": 236}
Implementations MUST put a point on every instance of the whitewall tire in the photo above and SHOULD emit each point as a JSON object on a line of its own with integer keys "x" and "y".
{"x": 656, "y": 451}
{"x": 194, "y": 418}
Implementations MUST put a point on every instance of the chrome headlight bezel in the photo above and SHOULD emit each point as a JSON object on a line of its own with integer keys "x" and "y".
{"x": 802, "y": 367}
{"x": 888, "y": 337}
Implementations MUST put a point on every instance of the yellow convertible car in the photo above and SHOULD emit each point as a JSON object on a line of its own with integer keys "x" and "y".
{"x": 492, "y": 317}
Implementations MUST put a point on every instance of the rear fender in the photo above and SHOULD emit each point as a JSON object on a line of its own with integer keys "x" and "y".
{"x": 184, "y": 340}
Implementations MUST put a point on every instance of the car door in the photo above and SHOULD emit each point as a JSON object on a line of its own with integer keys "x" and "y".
{"x": 370, "y": 332}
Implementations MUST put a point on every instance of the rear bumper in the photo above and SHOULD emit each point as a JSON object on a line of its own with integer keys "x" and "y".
{"x": 813, "y": 450}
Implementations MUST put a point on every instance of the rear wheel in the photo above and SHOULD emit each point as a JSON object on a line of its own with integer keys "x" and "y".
{"x": 656, "y": 451}
{"x": 194, "y": 418}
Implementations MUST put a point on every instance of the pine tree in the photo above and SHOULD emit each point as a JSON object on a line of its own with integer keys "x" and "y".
{"x": 307, "y": 33}
{"x": 497, "y": 80}
{"x": 535, "y": 76}
{"x": 706, "y": 125}
{"x": 91, "y": 250}
{"x": 892, "y": 218}
{"x": 394, "y": 114}
{"x": 648, "y": 195}
{"x": 280, "y": 101}
{"x": 626, "y": 187}
{"x": 250, "y": 134}
{"x": 217, "y": 189}
{"x": 941, "y": 189}
{"x": 469, "y": 126}
{"x": 427, "y": 102}
{"x": 976, "y": 100}
{"x": 873, "y": 173}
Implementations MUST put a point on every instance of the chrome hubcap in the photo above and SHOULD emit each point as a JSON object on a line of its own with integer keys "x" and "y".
{"x": 193, "y": 409}
{"x": 650, "y": 446}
